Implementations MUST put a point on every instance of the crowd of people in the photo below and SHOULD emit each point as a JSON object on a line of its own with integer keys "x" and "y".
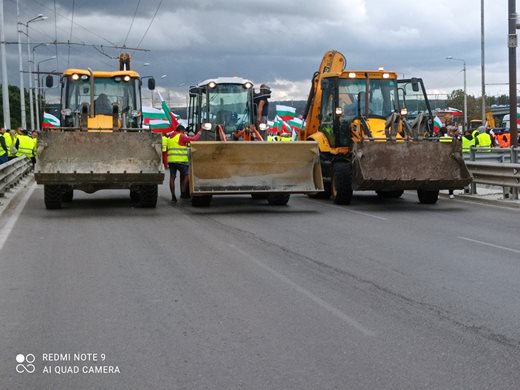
{"x": 17, "y": 143}
{"x": 481, "y": 137}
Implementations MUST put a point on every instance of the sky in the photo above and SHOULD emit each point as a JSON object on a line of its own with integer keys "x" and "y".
{"x": 277, "y": 42}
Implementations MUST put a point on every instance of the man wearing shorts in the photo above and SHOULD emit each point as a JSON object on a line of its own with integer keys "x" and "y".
{"x": 178, "y": 159}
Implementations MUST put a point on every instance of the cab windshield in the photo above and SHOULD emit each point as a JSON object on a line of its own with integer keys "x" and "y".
{"x": 381, "y": 94}
{"x": 107, "y": 92}
{"x": 228, "y": 105}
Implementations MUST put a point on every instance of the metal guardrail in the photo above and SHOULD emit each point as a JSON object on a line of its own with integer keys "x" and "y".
{"x": 489, "y": 166}
{"x": 12, "y": 172}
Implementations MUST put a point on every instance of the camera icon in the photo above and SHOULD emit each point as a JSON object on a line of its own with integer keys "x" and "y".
{"x": 25, "y": 363}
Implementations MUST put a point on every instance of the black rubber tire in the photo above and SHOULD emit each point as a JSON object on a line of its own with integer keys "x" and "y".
{"x": 201, "y": 200}
{"x": 148, "y": 196}
{"x": 277, "y": 199}
{"x": 428, "y": 197}
{"x": 390, "y": 194}
{"x": 68, "y": 195}
{"x": 134, "y": 196}
{"x": 342, "y": 183}
{"x": 260, "y": 195}
{"x": 52, "y": 195}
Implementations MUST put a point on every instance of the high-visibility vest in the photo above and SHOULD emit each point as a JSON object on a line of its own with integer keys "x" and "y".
{"x": 8, "y": 142}
{"x": 445, "y": 138}
{"x": 25, "y": 146}
{"x": 467, "y": 144}
{"x": 484, "y": 141}
{"x": 2, "y": 151}
{"x": 164, "y": 143}
{"x": 176, "y": 152}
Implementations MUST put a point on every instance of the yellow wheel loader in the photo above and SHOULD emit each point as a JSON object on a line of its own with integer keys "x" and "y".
{"x": 232, "y": 157}
{"x": 375, "y": 132}
{"x": 100, "y": 143}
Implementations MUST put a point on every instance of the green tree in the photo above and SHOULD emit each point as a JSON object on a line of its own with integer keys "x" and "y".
{"x": 14, "y": 107}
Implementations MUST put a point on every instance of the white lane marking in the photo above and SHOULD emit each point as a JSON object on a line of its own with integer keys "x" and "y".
{"x": 338, "y": 313}
{"x": 345, "y": 208}
{"x": 4, "y": 233}
{"x": 491, "y": 245}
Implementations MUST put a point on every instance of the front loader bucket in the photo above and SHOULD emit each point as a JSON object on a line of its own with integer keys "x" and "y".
{"x": 251, "y": 167}
{"x": 101, "y": 160}
{"x": 410, "y": 165}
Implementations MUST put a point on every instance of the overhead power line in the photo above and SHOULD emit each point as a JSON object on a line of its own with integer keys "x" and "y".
{"x": 75, "y": 23}
{"x": 150, "y": 25}
{"x": 131, "y": 24}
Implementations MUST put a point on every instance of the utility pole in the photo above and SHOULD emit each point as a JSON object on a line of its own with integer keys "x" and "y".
{"x": 20, "y": 66}
{"x": 5, "y": 82}
{"x": 483, "y": 62}
{"x": 512, "y": 43}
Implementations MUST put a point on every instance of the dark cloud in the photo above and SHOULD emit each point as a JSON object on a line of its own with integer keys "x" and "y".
{"x": 280, "y": 42}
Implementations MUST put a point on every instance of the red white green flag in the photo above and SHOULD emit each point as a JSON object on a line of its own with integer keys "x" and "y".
{"x": 50, "y": 120}
{"x": 437, "y": 124}
{"x": 286, "y": 113}
{"x": 171, "y": 117}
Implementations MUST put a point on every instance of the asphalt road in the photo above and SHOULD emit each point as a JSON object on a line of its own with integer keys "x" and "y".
{"x": 382, "y": 294}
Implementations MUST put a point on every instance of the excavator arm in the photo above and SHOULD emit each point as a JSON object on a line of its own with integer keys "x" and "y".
{"x": 333, "y": 62}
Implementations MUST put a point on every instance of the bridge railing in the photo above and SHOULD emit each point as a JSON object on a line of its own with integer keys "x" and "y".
{"x": 497, "y": 167}
{"x": 12, "y": 172}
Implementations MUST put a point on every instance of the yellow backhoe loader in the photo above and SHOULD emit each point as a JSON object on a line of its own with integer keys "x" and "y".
{"x": 375, "y": 133}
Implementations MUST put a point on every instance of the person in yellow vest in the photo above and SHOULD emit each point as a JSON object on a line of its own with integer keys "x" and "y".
{"x": 34, "y": 137}
{"x": 4, "y": 151}
{"x": 467, "y": 141}
{"x": 178, "y": 159}
{"x": 25, "y": 145}
{"x": 444, "y": 137}
{"x": 11, "y": 141}
{"x": 482, "y": 138}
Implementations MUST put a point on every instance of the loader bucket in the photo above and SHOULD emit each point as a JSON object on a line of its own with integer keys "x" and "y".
{"x": 102, "y": 160}
{"x": 249, "y": 167}
{"x": 411, "y": 165}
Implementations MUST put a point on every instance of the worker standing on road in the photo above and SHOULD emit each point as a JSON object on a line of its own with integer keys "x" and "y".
{"x": 34, "y": 136}
{"x": 444, "y": 137}
{"x": 11, "y": 140}
{"x": 4, "y": 150}
{"x": 25, "y": 145}
{"x": 483, "y": 139}
{"x": 178, "y": 159}
{"x": 467, "y": 141}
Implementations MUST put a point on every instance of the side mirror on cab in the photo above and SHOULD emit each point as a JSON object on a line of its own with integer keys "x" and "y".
{"x": 151, "y": 83}
{"x": 49, "y": 81}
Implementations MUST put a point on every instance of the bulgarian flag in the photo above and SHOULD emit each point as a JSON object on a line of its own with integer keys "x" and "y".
{"x": 50, "y": 120}
{"x": 174, "y": 122}
{"x": 437, "y": 124}
{"x": 154, "y": 118}
{"x": 286, "y": 113}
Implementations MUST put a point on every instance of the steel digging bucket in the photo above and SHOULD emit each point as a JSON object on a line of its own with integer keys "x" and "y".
{"x": 104, "y": 159}
{"x": 409, "y": 165}
{"x": 250, "y": 167}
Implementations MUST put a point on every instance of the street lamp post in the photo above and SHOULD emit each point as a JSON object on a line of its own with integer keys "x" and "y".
{"x": 38, "y": 18}
{"x": 37, "y": 94}
{"x": 465, "y": 94}
{"x": 20, "y": 67}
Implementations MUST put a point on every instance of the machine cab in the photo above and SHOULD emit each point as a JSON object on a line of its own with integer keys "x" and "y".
{"x": 224, "y": 103}
{"x": 101, "y": 100}
{"x": 357, "y": 104}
